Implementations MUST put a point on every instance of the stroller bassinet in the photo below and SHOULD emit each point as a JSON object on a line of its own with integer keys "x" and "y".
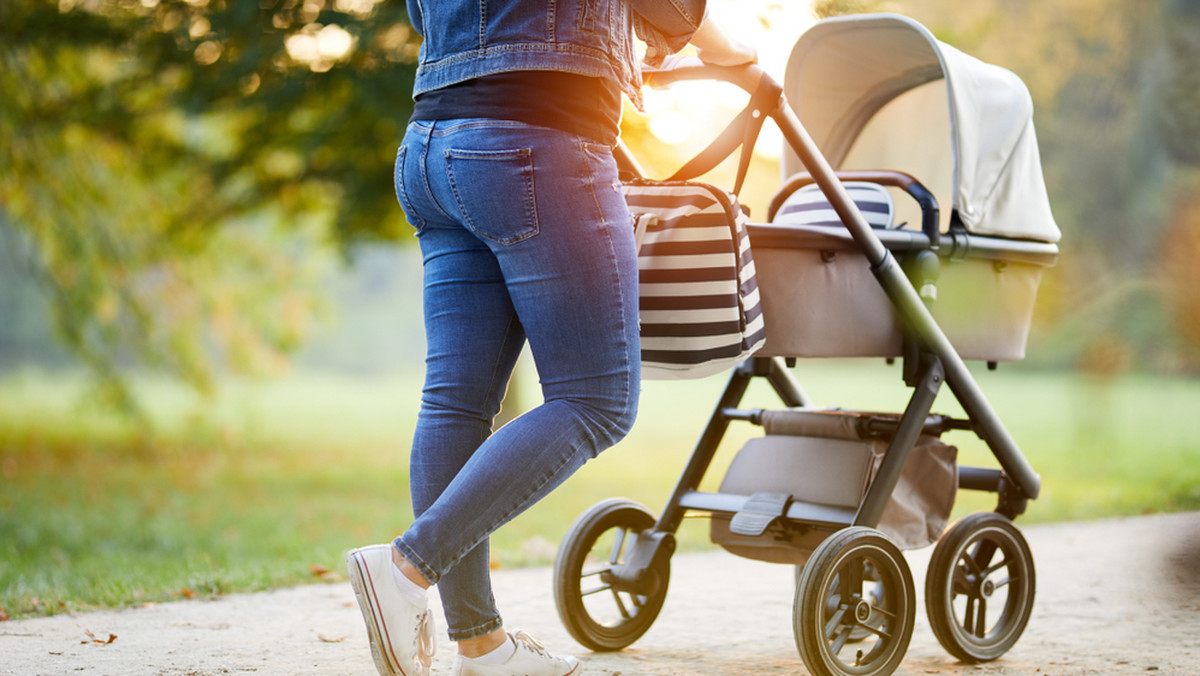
{"x": 881, "y": 93}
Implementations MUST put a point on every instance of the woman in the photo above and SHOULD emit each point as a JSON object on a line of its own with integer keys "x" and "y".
{"x": 507, "y": 175}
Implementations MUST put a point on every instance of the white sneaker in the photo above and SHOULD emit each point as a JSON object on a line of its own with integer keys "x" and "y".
{"x": 400, "y": 629}
{"x": 531, "y": 659}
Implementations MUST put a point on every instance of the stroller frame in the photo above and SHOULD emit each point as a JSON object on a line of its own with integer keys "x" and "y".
{"x": 929, "y": 361}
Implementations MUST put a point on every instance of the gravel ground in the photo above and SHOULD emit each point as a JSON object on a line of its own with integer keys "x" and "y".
{"x": 1114, "y": 597}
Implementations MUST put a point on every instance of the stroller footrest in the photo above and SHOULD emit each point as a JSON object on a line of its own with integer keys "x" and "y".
{"x": 758, "y": 513}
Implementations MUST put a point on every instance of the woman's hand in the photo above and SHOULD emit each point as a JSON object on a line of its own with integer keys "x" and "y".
{"x": 715, "y": 48}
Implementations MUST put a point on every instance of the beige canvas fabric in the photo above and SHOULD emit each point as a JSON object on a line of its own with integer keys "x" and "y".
{"x": 856, "y": 83}
{"x": 817, "y": 456}
{"x": 816, "y": 305}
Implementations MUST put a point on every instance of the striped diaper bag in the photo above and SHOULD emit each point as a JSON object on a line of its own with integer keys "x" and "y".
{"x": 699, "y": 306}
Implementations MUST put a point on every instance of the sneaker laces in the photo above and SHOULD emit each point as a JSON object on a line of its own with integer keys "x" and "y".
{"x": 531, "y": 643}
{"x": 426, "y": 642}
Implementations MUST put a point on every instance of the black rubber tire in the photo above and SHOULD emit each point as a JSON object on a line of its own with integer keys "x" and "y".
{"x": 835, "y": 605}
{"x": 965, "y": 576}
{"x": 598, "y": 540}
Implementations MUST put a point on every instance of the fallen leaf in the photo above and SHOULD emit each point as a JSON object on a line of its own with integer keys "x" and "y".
{"x": 324, "y": 574}
{"x": 3, "y": 615}
{"x": 187, "y": 593}
{"x": 92, "y": 638}
{"x": 328, "y": 639}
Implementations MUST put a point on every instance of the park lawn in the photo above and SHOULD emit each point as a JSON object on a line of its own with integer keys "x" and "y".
{"x": 270, "y": 483}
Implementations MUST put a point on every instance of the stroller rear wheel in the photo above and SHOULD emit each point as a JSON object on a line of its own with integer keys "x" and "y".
{"x": 980, "y": 587}
{"x": 602, "y": 601}
{"x": 840, "y": 600}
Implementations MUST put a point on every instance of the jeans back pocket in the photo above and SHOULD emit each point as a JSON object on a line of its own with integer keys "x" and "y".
{"x": 494, "y": 191}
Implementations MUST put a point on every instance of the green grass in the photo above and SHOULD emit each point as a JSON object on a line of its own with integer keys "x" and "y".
{"x": 253, "y": 490}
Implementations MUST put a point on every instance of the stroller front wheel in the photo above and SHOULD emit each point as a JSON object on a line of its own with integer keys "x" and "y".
{"x": 855, "y": 605}
{"x": 604, "y": 600}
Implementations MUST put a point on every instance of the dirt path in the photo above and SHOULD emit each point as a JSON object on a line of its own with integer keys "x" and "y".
{"x": 1114, "y": 597}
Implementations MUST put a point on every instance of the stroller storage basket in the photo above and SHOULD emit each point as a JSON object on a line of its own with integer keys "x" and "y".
{"x": 830, "y": 457}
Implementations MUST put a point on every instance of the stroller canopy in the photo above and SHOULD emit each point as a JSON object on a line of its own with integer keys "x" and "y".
{"x": 878, "y": 91}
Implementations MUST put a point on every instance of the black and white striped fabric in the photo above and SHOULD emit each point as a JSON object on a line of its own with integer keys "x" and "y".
{"x": 699, "y": 306}
{"x": 808, "y": 206}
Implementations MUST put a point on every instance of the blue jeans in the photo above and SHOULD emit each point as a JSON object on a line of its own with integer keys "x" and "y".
{"x": 524, "y": 235}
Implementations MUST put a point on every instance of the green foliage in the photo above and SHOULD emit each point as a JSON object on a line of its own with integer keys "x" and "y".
{"x": 826, "y": 8}
{"x": 178, "y": 168}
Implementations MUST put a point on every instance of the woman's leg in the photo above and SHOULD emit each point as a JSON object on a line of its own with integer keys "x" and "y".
{"x": 546, "y": 207}
{"x": 474, "y": 341}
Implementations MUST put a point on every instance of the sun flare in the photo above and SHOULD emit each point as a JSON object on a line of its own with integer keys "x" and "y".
{"x": 689, "y": 115}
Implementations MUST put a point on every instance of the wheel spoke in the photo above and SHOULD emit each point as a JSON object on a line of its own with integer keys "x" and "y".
{"x": 595, "y": 571}
{"x": 991, "y": 569}
{"x": 1005, "y": 581}
{"x": 834, "y": 622}
{"x": 852, "y": 578}
{"x": 621, "y": 605}
{"x": 985, "y": 549}
{"x": 972, "y": 563}
{"x": 981, "y": 619}
{"x": 880, "y": 631}
{"x": 618, "y": 545}
{"x": 839, "y": 640}
{"x": 969, "y": 615}
{"x": 595, "y": 590}
{"x": 961, "y": 580}
{"x": 887, "y": 614}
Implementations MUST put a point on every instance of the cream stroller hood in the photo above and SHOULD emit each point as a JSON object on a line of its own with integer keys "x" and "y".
{"x": 847, "y": 79}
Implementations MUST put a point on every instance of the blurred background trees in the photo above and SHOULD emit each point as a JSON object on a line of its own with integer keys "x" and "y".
{"x": 1110, "y": 81}
{"x": 183, "y": 177}
{"x": 178, "y": 175}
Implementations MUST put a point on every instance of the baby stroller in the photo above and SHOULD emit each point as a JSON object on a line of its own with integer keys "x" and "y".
{"x": 841, "y": 274}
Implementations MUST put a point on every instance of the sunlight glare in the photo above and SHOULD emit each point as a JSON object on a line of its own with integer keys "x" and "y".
{"x": 671, "y": 126}
{"x": 692, "y": 114}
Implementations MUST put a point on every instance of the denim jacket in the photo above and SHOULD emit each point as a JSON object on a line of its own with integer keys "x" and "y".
{"x": 465, "y": 39}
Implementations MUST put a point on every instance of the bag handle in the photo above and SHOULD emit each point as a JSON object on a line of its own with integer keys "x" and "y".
{"x": 640, "y": 224}
{"x": 741, "y": 131}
